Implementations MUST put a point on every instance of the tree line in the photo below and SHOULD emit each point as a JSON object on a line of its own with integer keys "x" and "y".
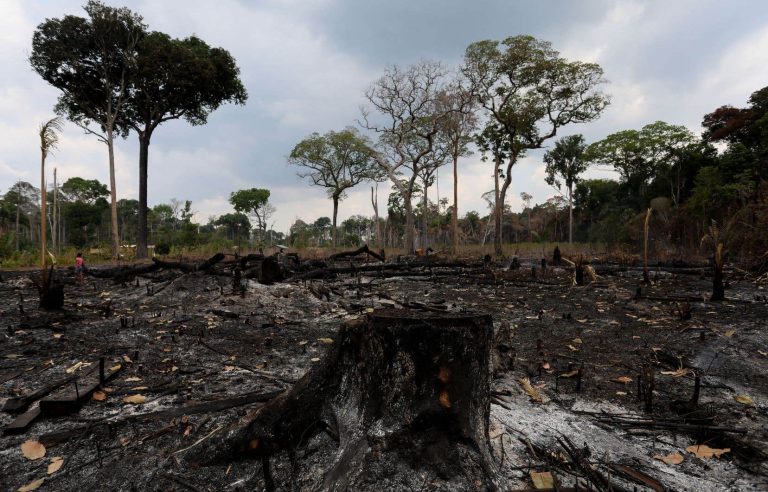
{"x": 506, "y": 99}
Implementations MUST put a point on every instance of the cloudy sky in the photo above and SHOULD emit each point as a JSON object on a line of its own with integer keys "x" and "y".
{"x": 306, "y": 63}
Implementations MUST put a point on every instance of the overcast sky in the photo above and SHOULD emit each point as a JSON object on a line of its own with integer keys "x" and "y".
{"x": 306, "y": 63}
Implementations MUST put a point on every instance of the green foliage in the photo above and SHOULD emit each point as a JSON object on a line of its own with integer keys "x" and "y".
{"x": 84, "y": 190}
{"x": 566, "y": 161}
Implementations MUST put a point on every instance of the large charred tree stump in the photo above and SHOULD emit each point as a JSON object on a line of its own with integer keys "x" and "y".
{"x": 51, "y": 289}
{"x": 401, "y": 393}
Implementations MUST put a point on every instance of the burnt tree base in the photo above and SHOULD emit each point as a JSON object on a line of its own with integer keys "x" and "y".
{"x": 400, "y": 397}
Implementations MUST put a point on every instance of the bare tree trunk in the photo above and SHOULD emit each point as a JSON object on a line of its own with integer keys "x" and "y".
{"x": 113, "y": 194}
{"x": 55, "y": 225}
{"x": 498, "y": 208}
{"x": 570, "y": 215}
{"x": 335, "y": 214}
{"x": 409, "y": 226}
{"x": 141, "y": 232}
{"x": 375, "y": 203}
{"x": 425, "y": 219}
{"x": 42, "y": 214}
{"x": 17, "y": 223}
{"x": 455, "y": 214}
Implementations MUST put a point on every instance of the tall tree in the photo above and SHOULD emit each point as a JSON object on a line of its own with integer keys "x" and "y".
{"x": 458, "y": 127}
{"x": 526, "y": 198}
{"x": 49, "y": 138}
{"x": 640, "y": 155}
{"x": 174, "y": 79}
{"x": 253, "y": 202}
{"x": 408, "y": 101}
{"x": 565, "y": 163}
{"x": 23, "y": 196}
{"x": 337, "y": 161}
{"x": 90, "y": 61}
{"x": 531, "y": 92}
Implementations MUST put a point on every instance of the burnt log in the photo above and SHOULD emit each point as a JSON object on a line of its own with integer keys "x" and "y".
{"x": 266, "y": 271}
{"x": 189, "y": 267}
{"x": 359, "y": 251}
{"x": 402, "y": 394}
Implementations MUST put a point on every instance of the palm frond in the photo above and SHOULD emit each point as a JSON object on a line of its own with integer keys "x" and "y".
{"x": 49, "y": 135}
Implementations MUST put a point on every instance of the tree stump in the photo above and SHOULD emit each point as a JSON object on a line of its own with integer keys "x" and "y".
{"x": 51, "y": 290}
{"x": 403, "y": 395}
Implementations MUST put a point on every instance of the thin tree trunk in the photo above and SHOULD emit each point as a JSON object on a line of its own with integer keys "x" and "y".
{"x": 570, "y": 215}
{"x": 17, "y": 222}
{"x": 409, "y": 225}
{"x": 497, "y": 212}
{"x": 113, "y": 194}
{"x": 141, "y": 232}
{"x": 375, "y": 204}
{"x": 425, "y": 219}
{"x": 42, "y": 213}
{"x": 335, "y": 214}
{"x": 54, "y": 228}
{"x": 455, "y": 214}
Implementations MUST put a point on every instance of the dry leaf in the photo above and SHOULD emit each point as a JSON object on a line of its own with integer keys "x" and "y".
{"x": 532, "y": 392}
{"x": 621, "y": 393}
{"x": 683, "y": 371}
{"x": 33, "y": 450}
{"x": 543, "y": 480}
{"x": 325, "y": 340}
{"x": 704, "y": 451}
{"x": 229, "y": 368}
{"x": 132, "y": 379}
{"x": 622, "y": 380}
{"x": 135, "y": 399}
{"x": 74, "y": 368}
{"x": 32, "y": 485}
{"x": 545, "y": 366}
{"x": 127, "y": 359}
{"x": 115, "y": 367}
{"x": 99, "y": 396}
{"x": 729, "y": 333}
{"x": 55, "y": 464}
{"x": 315, "y": 359}
{"x": 670, "y": 459}
{"x": 577, "y": 340}
{"x": 56, "y": 335}
{"x": 569, "y": 374}
{"x": 573, "y": 348}
{"x": 744, "y": 399}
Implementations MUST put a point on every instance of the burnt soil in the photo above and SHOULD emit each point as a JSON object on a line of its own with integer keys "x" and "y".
{"x": 188, "y": 339}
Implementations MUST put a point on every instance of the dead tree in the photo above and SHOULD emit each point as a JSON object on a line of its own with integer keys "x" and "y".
{"x": 400, "y": 393}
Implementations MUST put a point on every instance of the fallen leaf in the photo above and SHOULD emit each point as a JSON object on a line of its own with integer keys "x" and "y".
{"x": 127, "y": 359}
{"x": 99, "y": 396}
{"x": 140, "y": 388}
{"x": 542, "y": 480}
{"x": 621, "y": 393}
{"x": 70, "y": 370}
{"x": 704, "y": 451}
{"x": 762, "y": 353}
{"x": 744, "y": 399}
{"x": 683, "y": 371}
{"x": 325, "y": 340}
{"x": 315, "y": 359}
{"x": 32, "y": 485}
{"x": 33, "y": 450}
{"x": 135, "y": 399}
{"x": 569, "y": 374}
{"x": 622, "y": 380}
{"x": 670, "y": 459}
{"x": 577, "y": 340}
{"x": 55, "y": 464}
{"x": 57, "y": 335}
{"x": 574, "y": 349}
{"x": 132, "y": 379}
{"x": 532, "y": 392}
{"x": 229, "y": 368}
{"x": 115, "y": 367}
{"x": 545, "y": 366}
{"x": 729, "y": 333}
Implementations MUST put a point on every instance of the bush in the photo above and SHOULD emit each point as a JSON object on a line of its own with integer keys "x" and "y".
{"x": 162, "y": 248}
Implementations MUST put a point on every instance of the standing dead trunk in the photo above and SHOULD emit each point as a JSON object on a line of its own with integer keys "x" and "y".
{"x": 409, "y": 225}
{"x": 425, "y": 218}
{"x": 404, "y": 395}
{"x": 718, "y": 288}
{"x": 375, "y": 204}
{"x": 43, "y": 215}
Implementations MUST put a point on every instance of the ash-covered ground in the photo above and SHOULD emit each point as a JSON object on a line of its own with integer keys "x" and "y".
{"x": 195, "y": 351}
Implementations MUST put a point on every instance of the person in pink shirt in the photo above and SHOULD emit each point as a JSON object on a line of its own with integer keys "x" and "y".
{"x": 79, "y": 266}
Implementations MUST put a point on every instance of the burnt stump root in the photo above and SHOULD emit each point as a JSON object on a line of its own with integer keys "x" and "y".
{"x": 399, "y": 392}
